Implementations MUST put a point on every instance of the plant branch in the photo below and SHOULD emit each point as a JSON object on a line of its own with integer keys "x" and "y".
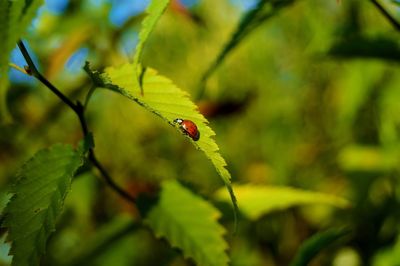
{"x": 35, "y": 72}
{"x": 108, "y": 179}
{"x": 20, "y": 69}
{"x": 79, "y": 110}
{"x": 387, "y": 15}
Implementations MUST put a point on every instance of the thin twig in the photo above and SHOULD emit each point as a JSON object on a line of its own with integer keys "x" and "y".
{"x": 387, "y": 15}
{"x": 20, "y": 69}
{"x": 79, "y": 110}
{"x": 108, "y": 179}
{"x": 35, "y": 72}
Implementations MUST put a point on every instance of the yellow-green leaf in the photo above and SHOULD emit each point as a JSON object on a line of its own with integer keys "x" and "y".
{"x": 167, "y": 101}
{"x": 256, "y": 201}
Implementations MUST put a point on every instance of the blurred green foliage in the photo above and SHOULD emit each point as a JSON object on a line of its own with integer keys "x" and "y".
{"x": 309, "y": 99}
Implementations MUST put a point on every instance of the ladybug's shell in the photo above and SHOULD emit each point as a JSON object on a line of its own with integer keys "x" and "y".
{"x": 190, "y": 128}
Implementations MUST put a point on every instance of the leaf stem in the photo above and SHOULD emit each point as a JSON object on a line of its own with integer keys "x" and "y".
{"x": 79, "y": 110}
{"x": 20, "y": 69}
{"x": 387, "y": 15}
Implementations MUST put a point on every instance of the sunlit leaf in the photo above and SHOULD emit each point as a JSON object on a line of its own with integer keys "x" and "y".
{"x": 167, "y": 101}
{"x": 256, "y": 201}
{"x": 38, "y": 196}
{"x": 312, "y": 246}
{"x": 190, "y": 223}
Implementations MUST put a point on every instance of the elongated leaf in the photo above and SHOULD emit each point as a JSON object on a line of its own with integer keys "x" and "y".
{"x": 189, "y": 223}
{"x": 39, "y": 193}
{"x": 250, "y": 21}
{"x": 15, "y": 17}
{"x": 154, "y": 10}
{"x": 28, "y": 14}
{"x": 367, "y": 48}
{"x": 256, "y": 201}
{"x": 312, "y": 246}
{"x": 169, "y": 102}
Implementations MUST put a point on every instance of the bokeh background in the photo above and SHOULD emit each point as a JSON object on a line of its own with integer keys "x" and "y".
{"x": 309, "y": 99}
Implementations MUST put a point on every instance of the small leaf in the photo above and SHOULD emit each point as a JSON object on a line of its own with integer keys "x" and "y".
{"x": 38, "y": 196}
{"x": 256, "y": 201}
{"x": 190, "y": 223}
{"x": 169, "y": 102}
{"x": 250, "y": 21}
{"x": 154, "y": 10}
{"x": 312, "y": 246}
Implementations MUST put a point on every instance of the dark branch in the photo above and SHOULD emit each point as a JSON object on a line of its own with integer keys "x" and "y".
{"x": 35, "y": 72}
{"x": 387, "y": 15}
{"x": 108, "y": 179}
{"x": 79, "y": 110}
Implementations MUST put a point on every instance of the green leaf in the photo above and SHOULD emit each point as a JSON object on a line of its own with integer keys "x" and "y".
{"x": 169, "y": 102}
{"x": 15, "y": 17}
{"x": 190, "y": 223}
{"x": 256, "y": 201}
{"x": 154, "y": 11}
{"x": 38, "y": 196}
{"x": 28, "y": 14}
{"x": 312, "y": 246}
{"x": 250, "y": 21}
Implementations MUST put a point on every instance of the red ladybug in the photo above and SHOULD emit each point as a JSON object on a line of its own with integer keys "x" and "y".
{"x": 189, "y": 128}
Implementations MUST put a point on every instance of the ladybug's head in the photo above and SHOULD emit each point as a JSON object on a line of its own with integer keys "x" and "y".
{"x": 178, "y": 121}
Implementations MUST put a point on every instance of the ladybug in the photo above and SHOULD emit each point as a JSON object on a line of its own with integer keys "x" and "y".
{"x": 189, "y": 128}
